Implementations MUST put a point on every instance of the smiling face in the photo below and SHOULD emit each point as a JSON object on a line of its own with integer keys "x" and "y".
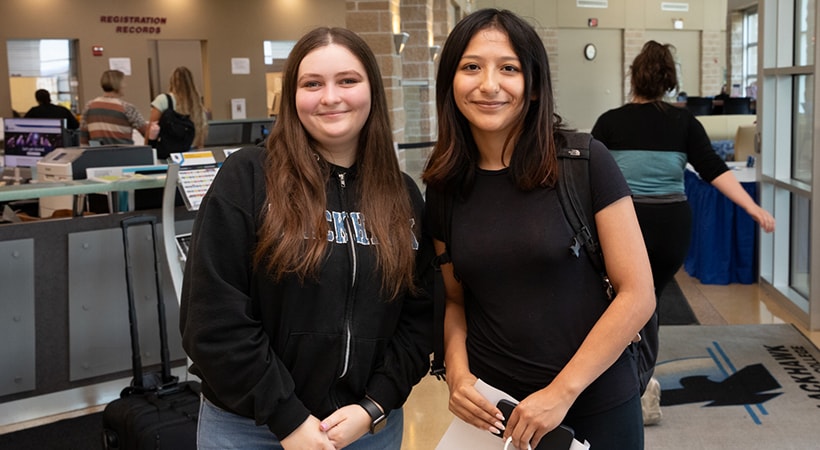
{"x": 488, "y": 86}
{"x": 333, "y": 101}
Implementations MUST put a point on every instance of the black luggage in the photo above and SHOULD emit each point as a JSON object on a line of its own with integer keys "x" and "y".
{"x": 156, "y": 411}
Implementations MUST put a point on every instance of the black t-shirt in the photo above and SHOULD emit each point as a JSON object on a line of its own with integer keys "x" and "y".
{"x": 659, "y": 130}
{"x": 52, "y": 111}
{"x": 529, "y": 302}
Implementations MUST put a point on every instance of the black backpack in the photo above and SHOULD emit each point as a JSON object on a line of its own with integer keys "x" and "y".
{"x": 576, "y": 202}
{"x": 176, "y": 132}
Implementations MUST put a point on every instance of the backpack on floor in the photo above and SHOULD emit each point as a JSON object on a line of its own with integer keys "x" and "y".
{"x": 176, "y": 132}
{"x": 576, "y": 202}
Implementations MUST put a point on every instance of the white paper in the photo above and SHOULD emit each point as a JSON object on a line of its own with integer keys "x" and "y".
{"x": 121, "y": 64}
{"x": 461, "y": 435}
{"x": 240, "y": 66}
{"x": 238, "y": 108}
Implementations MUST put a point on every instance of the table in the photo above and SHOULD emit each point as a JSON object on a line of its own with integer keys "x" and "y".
{"x": 723, "y": 249}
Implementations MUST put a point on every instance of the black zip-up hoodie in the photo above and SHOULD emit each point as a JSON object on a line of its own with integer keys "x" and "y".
{"x": 277, "y": 352}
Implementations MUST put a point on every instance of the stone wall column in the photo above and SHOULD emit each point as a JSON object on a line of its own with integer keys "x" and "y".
{"x": 711, "y": 72}
{"x": 376, "y": 24}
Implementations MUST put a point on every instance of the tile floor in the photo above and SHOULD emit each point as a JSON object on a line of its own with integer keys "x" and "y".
{"x": 426, "y": 414}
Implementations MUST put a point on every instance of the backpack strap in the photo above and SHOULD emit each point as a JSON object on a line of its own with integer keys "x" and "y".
{"x": 576, "y": 201}
{"x": 445, "y": 216}
{"x": 170, "y": 101}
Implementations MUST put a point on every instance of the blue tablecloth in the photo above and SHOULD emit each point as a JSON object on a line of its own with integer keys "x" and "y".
{"x": 724, "y": 245}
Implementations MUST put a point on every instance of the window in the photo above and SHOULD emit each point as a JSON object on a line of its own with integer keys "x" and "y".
{"x": 750, "y": 53}
{"x": 803, "y": 33}
{"x": 277, "y": 50}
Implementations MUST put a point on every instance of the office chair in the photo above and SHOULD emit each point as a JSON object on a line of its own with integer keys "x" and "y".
{"x": 699, "y": 106}
{"x": 737, "y": 105}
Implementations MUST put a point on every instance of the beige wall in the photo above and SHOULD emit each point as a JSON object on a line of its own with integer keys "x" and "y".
{"x": 585, "y": 89}
{"x": 231, "y": 29}
{"x": 687, "y": 52}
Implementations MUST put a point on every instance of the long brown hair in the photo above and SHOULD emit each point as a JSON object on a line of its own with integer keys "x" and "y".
{"x": 653, "y": 71}
{"x": 188, "y": 101}
{"x": 534, "y": 161}
{"x": 293, "y": 234}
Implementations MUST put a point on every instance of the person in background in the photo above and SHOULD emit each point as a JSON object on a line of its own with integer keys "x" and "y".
{"x": 305, "y": 302}
{"x": 652, "y": 141}
{"x": 720, "y": 98}
{"x": 108, "y": 119}
{"x": 522, "y": 313}
{"x": 47, "y": 110}
{"x": 186, "y": 101}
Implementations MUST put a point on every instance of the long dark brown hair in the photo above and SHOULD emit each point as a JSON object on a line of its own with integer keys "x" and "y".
{"x": 533, "y": 162}
{"x": 293, "y": 233}
{"x": 653, "y": 71}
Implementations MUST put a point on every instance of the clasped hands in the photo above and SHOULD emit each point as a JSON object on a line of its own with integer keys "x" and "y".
{"x": 338, "y": 430}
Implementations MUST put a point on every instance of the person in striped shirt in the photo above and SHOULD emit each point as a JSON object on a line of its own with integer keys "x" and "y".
{"x": 108, "y": 119}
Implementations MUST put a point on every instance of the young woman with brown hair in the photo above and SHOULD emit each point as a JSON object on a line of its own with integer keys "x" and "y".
{"x": 305, "y": 307}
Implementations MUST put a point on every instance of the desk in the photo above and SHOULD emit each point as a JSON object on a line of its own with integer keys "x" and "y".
{"x": 723, "y": 249}
{"x": 78, "y": 187}
{"x": 64, "y": 282}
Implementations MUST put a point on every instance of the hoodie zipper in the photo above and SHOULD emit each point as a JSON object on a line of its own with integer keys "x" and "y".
{"x": 354, "y": 264}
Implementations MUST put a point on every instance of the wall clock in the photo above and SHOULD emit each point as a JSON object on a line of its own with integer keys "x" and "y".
{"x": 590, "y": 51}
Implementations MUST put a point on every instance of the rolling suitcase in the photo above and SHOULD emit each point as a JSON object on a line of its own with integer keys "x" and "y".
{"x": 156, "y": 411}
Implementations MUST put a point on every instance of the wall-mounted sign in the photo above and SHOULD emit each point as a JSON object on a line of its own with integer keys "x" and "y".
{"x": 135, "y": 24}
{"x": 121, "y": 64}
{"x": 240, "y": 66}
{"x": 238, "y": 108}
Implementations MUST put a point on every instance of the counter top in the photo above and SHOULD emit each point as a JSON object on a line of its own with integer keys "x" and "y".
{"x": 78, "y": 187}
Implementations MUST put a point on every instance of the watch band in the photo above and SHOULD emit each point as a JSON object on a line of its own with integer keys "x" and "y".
{"x": 377, "y": 417}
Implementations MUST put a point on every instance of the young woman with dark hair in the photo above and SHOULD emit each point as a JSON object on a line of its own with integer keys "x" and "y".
{"x": 523, "y": 314}
{"x": 652, "y": 141}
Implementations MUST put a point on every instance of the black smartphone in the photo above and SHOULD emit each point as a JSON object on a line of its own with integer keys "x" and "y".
{"x": 558, "y": 439}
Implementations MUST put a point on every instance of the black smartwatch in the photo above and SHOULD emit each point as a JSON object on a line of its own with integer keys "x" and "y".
{"x": 377, "y": 417}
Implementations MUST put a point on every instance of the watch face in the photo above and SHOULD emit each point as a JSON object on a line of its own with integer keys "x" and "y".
{"x": 378, "y": 424}
{"x": 590, "y": 52}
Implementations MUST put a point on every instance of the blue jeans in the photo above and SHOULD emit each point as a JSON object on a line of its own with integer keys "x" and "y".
{"x": 222, "y": 430}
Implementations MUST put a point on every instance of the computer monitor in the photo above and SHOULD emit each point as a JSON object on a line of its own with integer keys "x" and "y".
{"x": 224, "y": 133}
{"x": 241, "y": 132}
{"x": 29, "y": 140}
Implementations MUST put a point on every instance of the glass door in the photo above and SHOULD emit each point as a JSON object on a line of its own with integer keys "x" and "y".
{"x": 786, "y": 111}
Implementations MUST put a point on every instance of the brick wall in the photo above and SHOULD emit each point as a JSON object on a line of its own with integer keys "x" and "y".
{"x": 711, "y": 71}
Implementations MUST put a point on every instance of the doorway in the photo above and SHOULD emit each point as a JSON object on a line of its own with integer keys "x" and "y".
{"x": 49, "y": 64}
{"x": 167, "y": 55}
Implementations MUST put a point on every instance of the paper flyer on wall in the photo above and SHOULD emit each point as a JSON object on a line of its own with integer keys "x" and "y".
{"x": 461, "y": 435}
